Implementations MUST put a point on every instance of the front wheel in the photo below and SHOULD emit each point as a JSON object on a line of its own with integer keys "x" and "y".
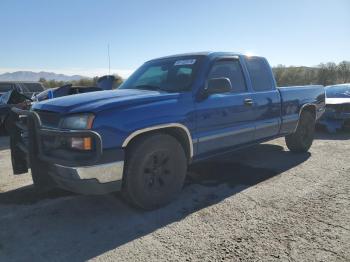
{"x": 156, "y": 167}
{"x": 301, "y": 140}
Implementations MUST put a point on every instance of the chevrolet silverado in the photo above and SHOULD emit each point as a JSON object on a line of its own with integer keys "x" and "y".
{"x": 171, "y": 112}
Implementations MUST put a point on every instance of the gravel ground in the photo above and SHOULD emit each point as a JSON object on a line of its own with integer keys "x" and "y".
{"x": 261, "y": 204}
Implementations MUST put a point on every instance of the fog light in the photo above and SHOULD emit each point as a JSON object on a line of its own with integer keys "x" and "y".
{"x": 81, "y": 143}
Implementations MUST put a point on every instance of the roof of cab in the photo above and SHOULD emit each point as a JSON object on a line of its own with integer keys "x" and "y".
{"x": 207, "y": 53}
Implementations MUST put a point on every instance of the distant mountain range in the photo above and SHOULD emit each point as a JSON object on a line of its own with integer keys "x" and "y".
{"x": 35, "y": 76}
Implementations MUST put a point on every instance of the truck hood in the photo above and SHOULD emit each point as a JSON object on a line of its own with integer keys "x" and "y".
{"x": 102, "y": 100}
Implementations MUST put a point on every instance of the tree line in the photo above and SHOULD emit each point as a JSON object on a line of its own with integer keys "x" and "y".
{"x": 324, "y": 74}
{"x": 81, "y": 82}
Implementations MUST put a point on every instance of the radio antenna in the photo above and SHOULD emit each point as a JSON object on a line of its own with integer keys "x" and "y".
{"x": 109, "y": 61}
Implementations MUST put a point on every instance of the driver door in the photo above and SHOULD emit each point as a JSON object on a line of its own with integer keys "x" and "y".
{"x": 227, "y": 119}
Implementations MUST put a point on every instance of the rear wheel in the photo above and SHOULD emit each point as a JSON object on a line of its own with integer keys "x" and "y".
{"x": 301, "y": 140}
{"x": 155, "y": 171}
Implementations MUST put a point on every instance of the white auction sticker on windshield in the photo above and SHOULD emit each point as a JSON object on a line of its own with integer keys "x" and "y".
{"x": 185, "y": 62}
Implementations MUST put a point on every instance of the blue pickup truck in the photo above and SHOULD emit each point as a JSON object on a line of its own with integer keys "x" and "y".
{"x": 171, "y": 112}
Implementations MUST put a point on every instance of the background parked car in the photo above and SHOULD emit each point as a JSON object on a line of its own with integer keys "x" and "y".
{"x": 106, "y": 82}
{"x": 22, "y": 94}
{"x": 26, "y": 88}
{"x": 337, "y": 115}
{"x": 10, "y": 99}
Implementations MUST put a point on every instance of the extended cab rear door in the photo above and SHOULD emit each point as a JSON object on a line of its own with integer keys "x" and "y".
{"x": 227, "y": 119}
{"x": 266, "y": 98}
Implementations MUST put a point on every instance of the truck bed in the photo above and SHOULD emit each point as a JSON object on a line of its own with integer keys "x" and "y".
{"x": 291, "y": 104}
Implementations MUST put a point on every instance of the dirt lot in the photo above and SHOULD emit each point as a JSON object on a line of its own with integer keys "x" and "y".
{"x": 260, "y": 204}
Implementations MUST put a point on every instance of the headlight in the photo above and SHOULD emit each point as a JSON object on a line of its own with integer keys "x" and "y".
{"x": 81, "y": 121}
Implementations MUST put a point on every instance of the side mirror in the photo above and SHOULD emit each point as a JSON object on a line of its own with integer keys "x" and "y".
{"x": 218, "y": 85}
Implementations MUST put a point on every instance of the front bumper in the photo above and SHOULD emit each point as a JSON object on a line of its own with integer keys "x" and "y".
{"x": 98, "y": 171}
{"x": 89, "y": 180}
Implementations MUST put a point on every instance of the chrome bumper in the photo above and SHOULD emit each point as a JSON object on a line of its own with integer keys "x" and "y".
{"x": 89, "y": 180}
{"x": 103, "y": 173}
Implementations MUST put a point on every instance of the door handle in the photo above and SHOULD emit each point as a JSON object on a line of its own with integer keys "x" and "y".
{"x": 248, "y": 101}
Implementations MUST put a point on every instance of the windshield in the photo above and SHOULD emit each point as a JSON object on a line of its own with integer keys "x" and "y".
{"x": 169, "y": 75}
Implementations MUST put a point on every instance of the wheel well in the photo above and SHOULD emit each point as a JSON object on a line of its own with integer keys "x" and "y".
{"x": 177, "y": 132}
{"x": 309, "y": 108}
{"x": 306, "y": 108}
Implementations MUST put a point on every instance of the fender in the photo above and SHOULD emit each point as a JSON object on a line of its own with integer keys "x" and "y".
{"x": 157, "y": 127}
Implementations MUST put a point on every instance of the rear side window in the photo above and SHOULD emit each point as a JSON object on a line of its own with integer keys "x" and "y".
{"x": 33, "y": 87}
{"x": 5, "y": 87}
{"x": 260, "y": 74}
{"x": 232, "y": 70}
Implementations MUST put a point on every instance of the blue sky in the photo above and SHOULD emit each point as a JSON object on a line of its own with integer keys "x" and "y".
{"x": 71, "y": 36}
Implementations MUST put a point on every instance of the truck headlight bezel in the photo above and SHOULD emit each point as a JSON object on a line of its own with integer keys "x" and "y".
{"x": 78, "y": 121}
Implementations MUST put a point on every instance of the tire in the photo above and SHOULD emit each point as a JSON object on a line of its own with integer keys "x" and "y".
{"x": 156, "y": 168}
{"x": 302, "y": 139}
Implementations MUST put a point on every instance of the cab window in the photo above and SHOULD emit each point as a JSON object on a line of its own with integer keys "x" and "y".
{"x": 232, "y": 70}
{"x": 260, "y": 74}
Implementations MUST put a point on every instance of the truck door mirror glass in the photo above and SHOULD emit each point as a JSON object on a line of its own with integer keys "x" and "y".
{"x": 218, "y": 85}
